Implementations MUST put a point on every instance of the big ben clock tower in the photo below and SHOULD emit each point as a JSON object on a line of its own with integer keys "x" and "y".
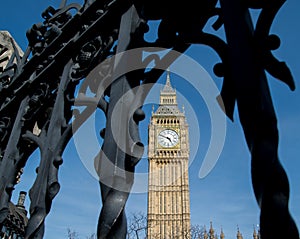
{"x": 168, "y": 154}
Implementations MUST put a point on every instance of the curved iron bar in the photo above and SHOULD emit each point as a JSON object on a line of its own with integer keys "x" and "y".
{"x": 266, "y": 43}
{"x": 9, "y": 163}
{"x": 52, "y": 142}
{"x": 258, "y": 119}
{"x": 43, "y": 191}
{"x": 115, "y": 172}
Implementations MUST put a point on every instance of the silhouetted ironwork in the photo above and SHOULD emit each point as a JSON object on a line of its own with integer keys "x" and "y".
{"x": 39, "y": 106}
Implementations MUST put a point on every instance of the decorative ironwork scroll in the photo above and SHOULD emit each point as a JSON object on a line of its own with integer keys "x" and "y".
{"x": 83, "y": 47}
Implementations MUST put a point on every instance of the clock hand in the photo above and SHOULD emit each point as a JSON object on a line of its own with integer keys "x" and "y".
{"x": 168, "y": 138}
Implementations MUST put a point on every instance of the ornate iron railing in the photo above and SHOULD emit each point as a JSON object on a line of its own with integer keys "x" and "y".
{"x": 86, "y": 49}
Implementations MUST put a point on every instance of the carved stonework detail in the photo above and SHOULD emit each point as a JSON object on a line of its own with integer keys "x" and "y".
{"x": 7, "y": 48}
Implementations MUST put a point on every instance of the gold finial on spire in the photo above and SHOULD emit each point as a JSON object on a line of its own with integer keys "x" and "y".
{"x": 168, "y": 77}
{"x": 255, "y": 234}
{"x": 222, "y": 235}
{"x": 239, "y": 235}
{"x": 205, "y": 236}
{"x": 211, "y": 231}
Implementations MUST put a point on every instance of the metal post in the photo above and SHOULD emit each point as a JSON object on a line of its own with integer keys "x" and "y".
{"x": 259, "y": 122}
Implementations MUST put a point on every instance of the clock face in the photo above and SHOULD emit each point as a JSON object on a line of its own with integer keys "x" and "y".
{"x": 168, "y": 138}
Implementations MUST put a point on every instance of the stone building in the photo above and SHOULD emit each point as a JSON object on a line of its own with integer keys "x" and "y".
{"x": 212, "y": 235}
{"x": 15, "y": 223}
{"x": 168, "y": 155}
{"x": 9, "y": 50}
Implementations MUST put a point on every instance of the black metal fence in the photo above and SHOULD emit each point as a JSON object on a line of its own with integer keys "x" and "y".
{"x": 90, "y": 46}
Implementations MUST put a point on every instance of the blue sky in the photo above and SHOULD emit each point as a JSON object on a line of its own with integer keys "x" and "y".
{"x": 225, "y": 195}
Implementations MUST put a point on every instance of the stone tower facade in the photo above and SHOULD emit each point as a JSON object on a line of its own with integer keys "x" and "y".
{"x": 168, "y": 155}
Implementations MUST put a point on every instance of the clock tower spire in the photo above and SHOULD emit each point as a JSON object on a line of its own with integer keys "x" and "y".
{"x": 168, "y": 154}
{"x": 168, "y": 94}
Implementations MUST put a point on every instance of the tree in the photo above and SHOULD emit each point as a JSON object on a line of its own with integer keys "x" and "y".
{"x": 137, "y": 226}
{"x": 72, "y": 234}
{"x": 197, "y": 232}
{"x": 92, "y": 236}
